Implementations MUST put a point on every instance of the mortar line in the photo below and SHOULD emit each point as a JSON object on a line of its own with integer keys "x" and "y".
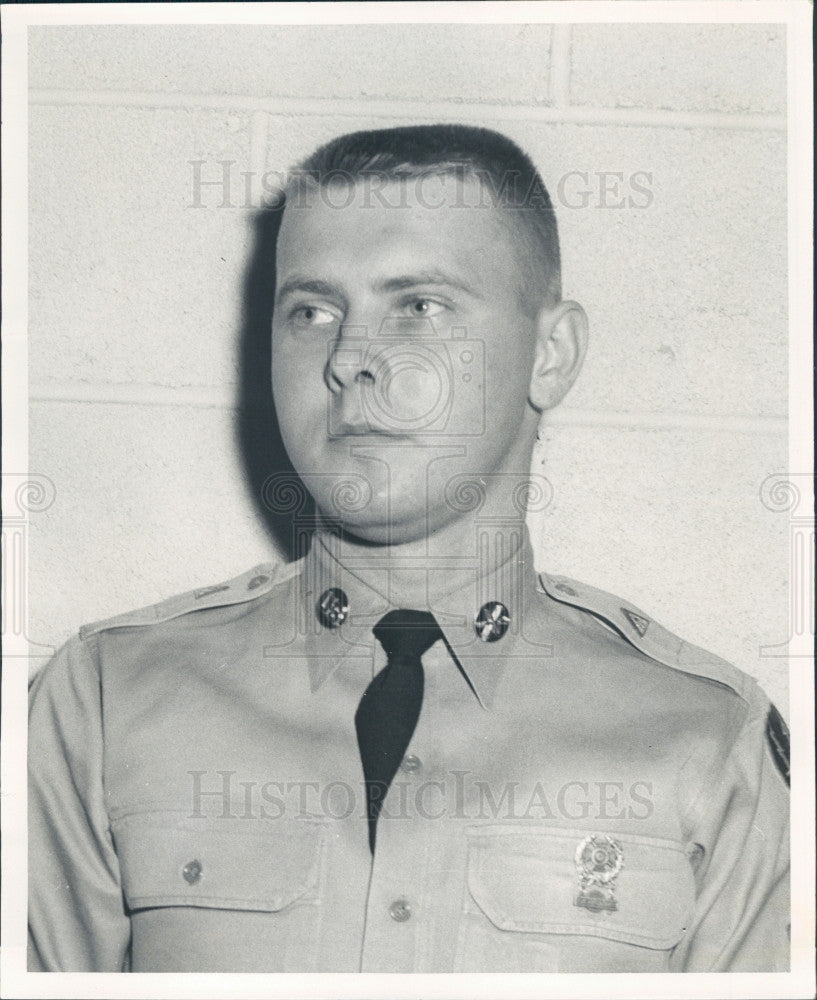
{"x": 448, "y": 110}
{"x": 223, "y": 398}
{"x": 560, "y": 64}
{"x": 259, "y": 130}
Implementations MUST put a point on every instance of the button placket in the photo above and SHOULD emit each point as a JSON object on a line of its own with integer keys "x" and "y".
{"x": 400, "y": 865}
{"x": 396, "y": 888}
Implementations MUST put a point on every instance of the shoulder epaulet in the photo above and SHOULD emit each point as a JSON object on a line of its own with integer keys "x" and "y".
{"x": 646, "y": 634}
{"x": 248, "y": 587}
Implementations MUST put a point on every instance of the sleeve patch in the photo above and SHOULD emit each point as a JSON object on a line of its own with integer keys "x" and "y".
{"x": 777, "y": 734}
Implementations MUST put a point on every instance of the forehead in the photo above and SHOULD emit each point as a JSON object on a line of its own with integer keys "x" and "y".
{"x": 435, "y": 216}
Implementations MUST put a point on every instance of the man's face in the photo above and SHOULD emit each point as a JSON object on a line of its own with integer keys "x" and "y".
{"x": 401, "y": 351}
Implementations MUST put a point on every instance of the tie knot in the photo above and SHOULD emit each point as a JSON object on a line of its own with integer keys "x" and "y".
{"x": 406, "y": 632}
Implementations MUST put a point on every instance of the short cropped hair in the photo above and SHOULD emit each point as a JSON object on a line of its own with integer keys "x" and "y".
{"x": 508, "y": 177}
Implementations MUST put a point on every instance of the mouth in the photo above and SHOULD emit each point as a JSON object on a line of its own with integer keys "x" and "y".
{"x": 361, "y": 430}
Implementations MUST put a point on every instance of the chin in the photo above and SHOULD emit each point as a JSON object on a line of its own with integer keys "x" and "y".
{"x": 384, "y": 527}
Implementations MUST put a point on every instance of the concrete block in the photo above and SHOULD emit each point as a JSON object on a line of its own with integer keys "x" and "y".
{"x": 129, "y": 281}
{"x": 674, "y": 522}
{"x": 150, "y": 501}
{"x": 675, "y": 242}
{"x": 682, "y": 67}
{"x": 498, "y": 62}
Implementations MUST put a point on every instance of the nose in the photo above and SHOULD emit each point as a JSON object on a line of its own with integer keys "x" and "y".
{"x": 347, "y": 361}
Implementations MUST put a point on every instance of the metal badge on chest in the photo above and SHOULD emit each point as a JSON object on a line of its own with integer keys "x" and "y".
{"x": 599, "y": 859}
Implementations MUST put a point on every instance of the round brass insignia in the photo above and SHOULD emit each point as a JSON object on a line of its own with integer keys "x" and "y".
{"x": 333, "y": 607}
{"x": 492, "y": 621}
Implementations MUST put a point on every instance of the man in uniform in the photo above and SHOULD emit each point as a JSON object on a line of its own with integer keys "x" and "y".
{"x": 407, "y": 751}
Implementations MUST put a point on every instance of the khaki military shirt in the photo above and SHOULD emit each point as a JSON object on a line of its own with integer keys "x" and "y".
{"x": 586, "y": 793}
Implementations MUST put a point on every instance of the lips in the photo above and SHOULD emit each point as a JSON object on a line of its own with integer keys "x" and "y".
{"x": 348, "y": 419}
{"x": 344, "y": 429}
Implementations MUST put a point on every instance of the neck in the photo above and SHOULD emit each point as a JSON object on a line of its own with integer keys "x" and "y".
{"x": 490, "y": 530}
{"x": 415, "y": 574}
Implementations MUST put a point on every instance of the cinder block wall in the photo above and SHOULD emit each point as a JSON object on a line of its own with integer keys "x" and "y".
{"x": 664, "y": 149}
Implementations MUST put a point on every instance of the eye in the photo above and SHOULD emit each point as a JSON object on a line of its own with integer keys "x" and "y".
{"x": 424, "y": 308}
{"x": 313, "y": 316}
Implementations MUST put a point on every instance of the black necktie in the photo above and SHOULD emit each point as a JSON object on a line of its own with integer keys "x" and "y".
{"x": 390, "y": 706}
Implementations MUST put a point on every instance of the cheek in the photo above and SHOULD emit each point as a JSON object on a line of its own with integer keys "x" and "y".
{"x": 507, "y": 346}
{"x": 297, "y": 371}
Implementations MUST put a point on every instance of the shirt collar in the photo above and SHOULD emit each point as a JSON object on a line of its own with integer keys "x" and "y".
{"x": 454, "y": 595}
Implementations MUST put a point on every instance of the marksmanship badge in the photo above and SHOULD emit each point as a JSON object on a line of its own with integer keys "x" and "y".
{"x": 599, "y": 859}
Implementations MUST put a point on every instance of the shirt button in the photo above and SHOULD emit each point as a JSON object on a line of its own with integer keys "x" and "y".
{"x": 192, "y": 872}
{"x": 400, "y": 910}
{"x": 411, "y": 763}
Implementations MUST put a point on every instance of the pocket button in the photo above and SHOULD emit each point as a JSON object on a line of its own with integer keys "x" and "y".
{"x": 400, "y": 910}
{"x": 192, "y": 872}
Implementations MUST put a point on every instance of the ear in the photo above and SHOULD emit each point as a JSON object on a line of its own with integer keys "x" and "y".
{"x": 561, "y": 343}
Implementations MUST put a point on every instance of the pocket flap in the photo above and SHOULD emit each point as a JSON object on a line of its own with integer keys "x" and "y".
{"x": 169, "y": 859}
{"x": 527, "y": 880}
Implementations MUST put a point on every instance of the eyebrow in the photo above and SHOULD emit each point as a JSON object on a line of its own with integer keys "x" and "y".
{"x": 432, "y": 277}
{"x": 312, "y": 286}
{"x": 316, "y": 286}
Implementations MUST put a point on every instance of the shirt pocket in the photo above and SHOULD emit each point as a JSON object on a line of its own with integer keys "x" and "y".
{"x": 220, "y": 894}
{"x": 520, "y": 909}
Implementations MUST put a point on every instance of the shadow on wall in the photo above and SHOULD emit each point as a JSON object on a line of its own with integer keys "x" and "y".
{"x": 279, "y": 497}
